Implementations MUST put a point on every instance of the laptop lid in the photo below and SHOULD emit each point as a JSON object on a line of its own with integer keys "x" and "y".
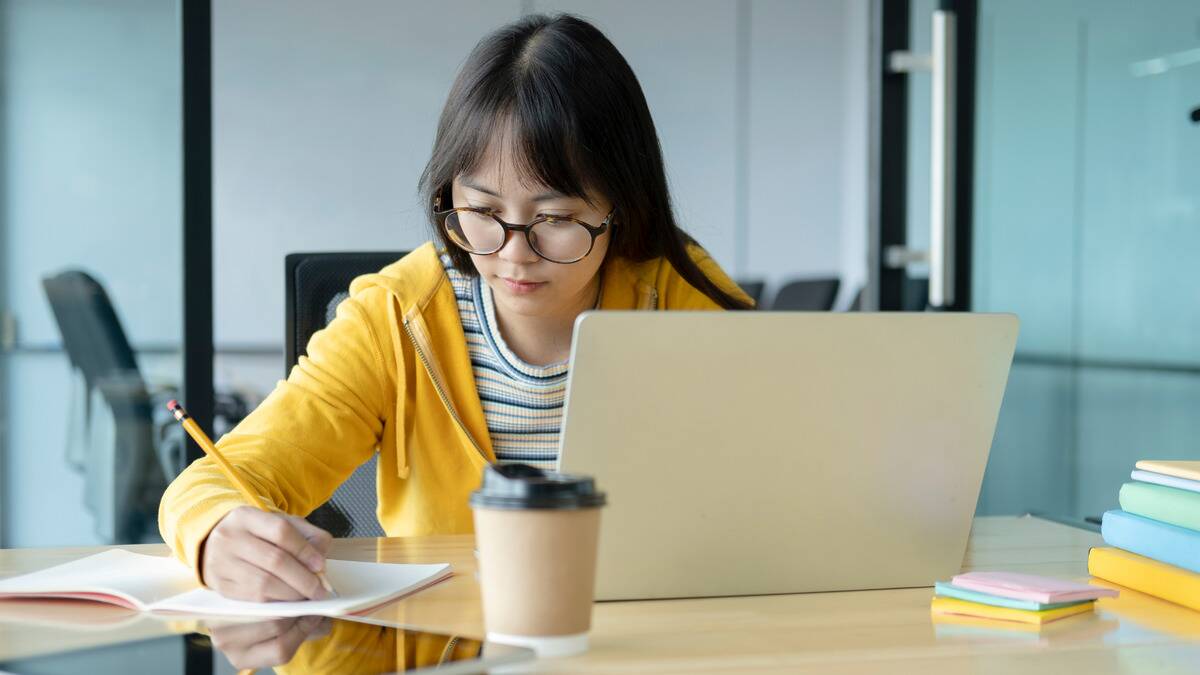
{"x": 762, "y": 452}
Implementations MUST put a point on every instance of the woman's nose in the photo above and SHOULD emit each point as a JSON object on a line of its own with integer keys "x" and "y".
{"x": 516, "y": 249}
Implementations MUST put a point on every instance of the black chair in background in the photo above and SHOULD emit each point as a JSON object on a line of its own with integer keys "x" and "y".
{"x": 316, "y": 283}
{"x": 807, "y": 295}
{"x": 125, "y": 469}
{"x": 914, "y": 298}
{"x": 916, "y": 294}
{"x": 754, "y": 289}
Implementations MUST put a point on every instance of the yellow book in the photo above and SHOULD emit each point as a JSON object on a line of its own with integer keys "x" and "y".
{"x": 1178, "y": 468}
{"x": 963, "y": 607}
{"x": 1146, "y": 575}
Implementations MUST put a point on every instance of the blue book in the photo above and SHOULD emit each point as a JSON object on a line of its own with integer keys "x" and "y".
{"x": 951, "y": 591}
{"x": 1162, "y": 542}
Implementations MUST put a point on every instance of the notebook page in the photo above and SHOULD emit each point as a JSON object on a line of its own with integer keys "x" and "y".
{"x": 115, "y": 576}
{"x": 360, "y": 586}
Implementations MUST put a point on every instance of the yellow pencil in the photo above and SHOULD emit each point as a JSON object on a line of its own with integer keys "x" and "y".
{"x": 206, "y": 444}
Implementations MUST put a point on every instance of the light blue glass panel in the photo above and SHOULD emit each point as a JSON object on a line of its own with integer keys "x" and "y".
{"x": 1087, "y": 225}
{"x": 1127, "y": 415}
{"x": 90, "y": 180}
{"x": 1140, "y": 244}
{"x": 1031, "y": 461}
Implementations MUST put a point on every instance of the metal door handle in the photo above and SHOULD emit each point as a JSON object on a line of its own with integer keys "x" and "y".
{"x": 942, "y": 169}
{"x": 941, "y": 64}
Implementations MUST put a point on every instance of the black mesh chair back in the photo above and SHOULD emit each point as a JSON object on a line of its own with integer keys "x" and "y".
{"x": 807, "y": 295}
{"x": 125, "y": 481}
{"x": 916, "y": 294}
{"x": 316, "y": 283}
{"x": 91, "y": 332}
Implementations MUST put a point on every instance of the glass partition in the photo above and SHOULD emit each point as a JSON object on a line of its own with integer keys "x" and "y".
{"x": 1087, "y": 223}
{"x": 90, "y": 268}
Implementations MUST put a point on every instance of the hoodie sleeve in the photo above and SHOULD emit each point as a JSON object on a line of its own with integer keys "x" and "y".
{"x": 307, "y": 437}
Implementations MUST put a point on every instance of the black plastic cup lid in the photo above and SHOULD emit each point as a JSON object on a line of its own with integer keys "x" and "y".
{"x": 520, "y": 486}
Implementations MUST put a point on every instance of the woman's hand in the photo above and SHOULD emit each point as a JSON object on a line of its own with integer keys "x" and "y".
{"x": 267, "y": 644}
{"x": 259, "y": 556}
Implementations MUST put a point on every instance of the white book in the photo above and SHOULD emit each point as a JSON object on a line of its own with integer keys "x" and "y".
{"x": 1164, "y": 479}
{"x": 163, "y": 584}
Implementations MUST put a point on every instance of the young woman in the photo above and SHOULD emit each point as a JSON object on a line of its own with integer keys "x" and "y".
{"x": 547, "y": 192}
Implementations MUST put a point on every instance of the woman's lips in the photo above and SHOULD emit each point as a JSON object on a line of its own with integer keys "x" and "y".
{"x": 522, "y": 287}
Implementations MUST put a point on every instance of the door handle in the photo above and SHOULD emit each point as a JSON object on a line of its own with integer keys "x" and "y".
{"x": 941, "y": 63}
{"x": 942, "y": 169}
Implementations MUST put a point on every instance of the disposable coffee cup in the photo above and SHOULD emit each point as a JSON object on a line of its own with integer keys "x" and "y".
{"x": 537, "y": 533}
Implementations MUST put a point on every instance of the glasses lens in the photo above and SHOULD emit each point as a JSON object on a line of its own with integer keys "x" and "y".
{"x": 560, "y": 240}
{"x": 475, "y": 232}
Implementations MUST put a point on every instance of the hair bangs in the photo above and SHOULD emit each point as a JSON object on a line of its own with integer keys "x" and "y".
{"x": 536, "y": 138}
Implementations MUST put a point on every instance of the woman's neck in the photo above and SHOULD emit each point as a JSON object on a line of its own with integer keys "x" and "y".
{"x": 545, "y": 340}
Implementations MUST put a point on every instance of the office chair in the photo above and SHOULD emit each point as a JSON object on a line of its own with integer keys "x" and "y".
{"x": 754, "y": 289}
{"x": 315, "y": 284}
{"x": 915, "y": 294}
{"x": 126, "y": 470}
{"x": 807, "y": 295}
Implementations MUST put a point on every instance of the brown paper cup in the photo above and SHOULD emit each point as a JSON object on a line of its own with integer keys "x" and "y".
{"x": 537, "y": 570}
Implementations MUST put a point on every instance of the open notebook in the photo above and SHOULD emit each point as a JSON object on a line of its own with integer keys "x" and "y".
{"x": 163, "y": 584}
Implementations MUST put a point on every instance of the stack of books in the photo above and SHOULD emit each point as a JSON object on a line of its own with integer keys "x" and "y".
{"x": 1155, "y": 536}
{"x": 1008, "y": 596}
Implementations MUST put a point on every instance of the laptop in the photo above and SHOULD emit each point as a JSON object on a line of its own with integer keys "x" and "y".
{"x": 750, "y": 453}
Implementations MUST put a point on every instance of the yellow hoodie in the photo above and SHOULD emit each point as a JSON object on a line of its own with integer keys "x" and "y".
{"x": 390, "y": 374}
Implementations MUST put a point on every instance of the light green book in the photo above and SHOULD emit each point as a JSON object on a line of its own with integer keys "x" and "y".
{"x": 1164, "y": 504}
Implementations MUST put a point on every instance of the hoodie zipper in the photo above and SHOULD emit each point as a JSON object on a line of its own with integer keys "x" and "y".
{"x": 651, "y": 298}
{"x": 437, "y": 385}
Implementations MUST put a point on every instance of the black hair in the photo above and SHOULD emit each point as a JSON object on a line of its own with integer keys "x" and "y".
{"x": 577, "y": 121}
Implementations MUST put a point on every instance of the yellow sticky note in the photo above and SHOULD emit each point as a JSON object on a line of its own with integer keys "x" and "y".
{"x": 965, "y": 608}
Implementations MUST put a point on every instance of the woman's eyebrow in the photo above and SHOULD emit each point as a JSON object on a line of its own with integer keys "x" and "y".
{"x": 470, "y": 183}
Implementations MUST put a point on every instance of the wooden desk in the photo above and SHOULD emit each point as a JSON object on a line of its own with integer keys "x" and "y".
{"x": 859, "y": 632}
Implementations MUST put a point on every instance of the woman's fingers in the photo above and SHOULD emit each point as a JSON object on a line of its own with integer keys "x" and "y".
{"x": 248, "y": 582}
{"x": 262, "y": 556}
{"x": 278, "y": 530}
{"x": 282, "y": 565}
{"x": 320, "y": 539}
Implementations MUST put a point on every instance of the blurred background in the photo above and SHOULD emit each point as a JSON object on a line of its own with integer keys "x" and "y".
{"x": 804, "y": 149}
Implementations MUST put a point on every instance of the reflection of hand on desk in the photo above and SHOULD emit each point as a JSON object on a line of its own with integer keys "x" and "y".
{"x": 268, "y": 643}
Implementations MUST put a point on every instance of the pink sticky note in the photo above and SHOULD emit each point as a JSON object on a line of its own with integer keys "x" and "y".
{"x": 1030, "y": 587}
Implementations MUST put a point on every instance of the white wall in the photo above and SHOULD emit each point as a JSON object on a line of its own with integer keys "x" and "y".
{"x": 324, "y": 116}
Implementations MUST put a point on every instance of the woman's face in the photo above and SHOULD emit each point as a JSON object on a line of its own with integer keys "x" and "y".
{"x": 522, "y": 283}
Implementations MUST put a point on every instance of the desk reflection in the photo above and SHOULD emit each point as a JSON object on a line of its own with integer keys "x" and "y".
{"x": 314, "y": 644}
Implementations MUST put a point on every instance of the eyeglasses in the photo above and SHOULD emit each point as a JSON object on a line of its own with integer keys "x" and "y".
{"x": 558, "y": 239}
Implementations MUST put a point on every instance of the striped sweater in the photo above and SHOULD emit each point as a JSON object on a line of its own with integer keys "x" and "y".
{"x": 522, "y": 403}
